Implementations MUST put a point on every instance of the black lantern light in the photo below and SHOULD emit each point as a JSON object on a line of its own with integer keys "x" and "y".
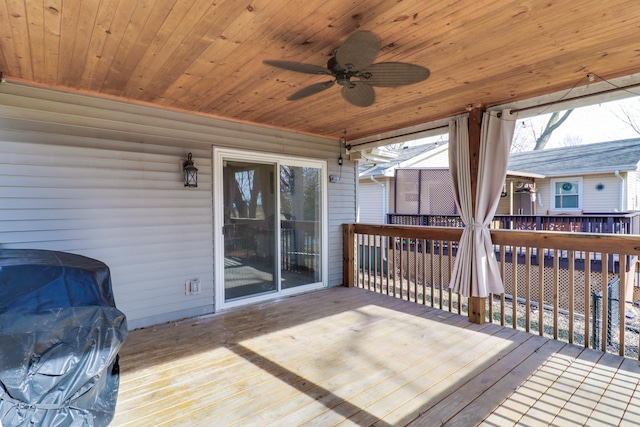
{"x": 190, "y": 173}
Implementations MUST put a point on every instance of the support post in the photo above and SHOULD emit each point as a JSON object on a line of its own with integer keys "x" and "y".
{"x": 348, "y": 255}
{"x": 477, "y": 305}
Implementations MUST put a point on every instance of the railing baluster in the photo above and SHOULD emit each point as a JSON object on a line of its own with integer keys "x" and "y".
{"x": 556, "y": 291}
{"x": 514, "y": 285}
{"x": 377, "y": 255}
{"x": 405, "y": 260}
{"x": 449, "y": 257}
{"x": 415, "y": 272}
{"x": 571, "y": 257}
{"x": 605, "y": 300}
{"x": 433, "y": 277}
{"x": 440, "y": 275}
{"x": 399, "y": 271}
{"x": 527, "y": 289}
{"x": 622, "y": 298}
{"x": 368, "y": 236}
{"x": 587, "y": 298}
{"x": 503, "y": 263}
{"x": 390, "y": 264}
{"x": 541, "y": 291}
{"x": 424, "y": 271}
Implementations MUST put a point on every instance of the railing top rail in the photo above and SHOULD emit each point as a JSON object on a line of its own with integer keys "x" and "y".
{"x": 593, "y": 242}
{"x": 567, "y": 240}
{"x": 410, "y": 231}
{"x": 564, "y": 216}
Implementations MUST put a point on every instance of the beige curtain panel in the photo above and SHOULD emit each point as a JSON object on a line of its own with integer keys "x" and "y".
{"x": 476, "y": 271}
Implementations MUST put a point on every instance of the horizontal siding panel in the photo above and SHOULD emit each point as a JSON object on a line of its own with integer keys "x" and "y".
{"x": 76, "y": 125}
{"x": 112, "y": 114}
{"x": 103, "y": 179}
{"x": 106, "y": 155}
{"x": 174, "y": 309}
{"x": 371, "y": 202}
{"x": 128, "y": 209}
{"x": 605, "y": 200}
{"x": 135, "y": 284}
{"x": 113, "y": 224}
{"x": 82, "y": 240}
{"x": 112, "y": 192}
{"x": 137, "y": 213}
{"x": 101, "y": 204}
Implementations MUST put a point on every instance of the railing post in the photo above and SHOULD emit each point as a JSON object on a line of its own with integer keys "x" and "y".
{"x": 348, "y": 255}
{"x": 477, "y": 310}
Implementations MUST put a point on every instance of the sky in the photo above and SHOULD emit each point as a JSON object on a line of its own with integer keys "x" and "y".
{"x": 586, "y": 125}
{"x": 595, "y": 123}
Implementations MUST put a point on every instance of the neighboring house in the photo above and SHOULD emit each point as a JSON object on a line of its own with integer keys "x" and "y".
{"x": 377, "y": 193}
{"x": 589, "y": 178}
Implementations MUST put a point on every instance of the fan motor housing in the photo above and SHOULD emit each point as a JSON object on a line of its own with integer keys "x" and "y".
{"x": 342, "y": 76}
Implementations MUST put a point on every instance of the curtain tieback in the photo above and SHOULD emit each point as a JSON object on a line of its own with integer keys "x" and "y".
{"x": 473, "y": 226}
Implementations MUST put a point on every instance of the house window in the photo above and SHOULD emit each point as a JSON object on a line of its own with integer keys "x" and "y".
{"x": 567, "y": 193}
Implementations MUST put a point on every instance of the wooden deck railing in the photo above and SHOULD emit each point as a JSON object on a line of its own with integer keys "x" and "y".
{"x": 554, "y": 281}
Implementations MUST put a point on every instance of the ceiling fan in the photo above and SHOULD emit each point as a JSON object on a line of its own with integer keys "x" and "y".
{"x": 352, "y": 67}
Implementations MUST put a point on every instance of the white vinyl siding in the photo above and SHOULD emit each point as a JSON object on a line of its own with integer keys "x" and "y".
{"x": 600, "y": 194}
{"x": 634, "y": 190}
{"x": 126, "y": 208}
{"x": 102, "y": 178}
{"x": 373, "y": 206}
{"x": 440, "y": 160}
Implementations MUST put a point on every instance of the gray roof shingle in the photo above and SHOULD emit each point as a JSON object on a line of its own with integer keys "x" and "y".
{"x": 404, "y": 154}
{"x": 622, "y": 155}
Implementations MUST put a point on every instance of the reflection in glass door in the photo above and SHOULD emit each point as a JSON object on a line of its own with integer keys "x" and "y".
{"x": 300, "y": 230}
{"x": 250, "y": 229}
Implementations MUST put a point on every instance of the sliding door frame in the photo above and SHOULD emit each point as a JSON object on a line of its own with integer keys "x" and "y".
{"x": 219, "y": 156}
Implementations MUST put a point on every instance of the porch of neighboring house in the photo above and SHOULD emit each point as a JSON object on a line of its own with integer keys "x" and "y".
{"x": 348, "y": 356}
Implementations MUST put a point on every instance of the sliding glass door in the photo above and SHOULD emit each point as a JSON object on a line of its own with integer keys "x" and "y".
{"x": 270, "y": 216}
{"x": 300, "y": 225}
{"x": 249, "y": 229}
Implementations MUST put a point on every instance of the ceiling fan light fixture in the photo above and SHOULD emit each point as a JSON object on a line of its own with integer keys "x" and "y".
{"x": 354, "y": 58}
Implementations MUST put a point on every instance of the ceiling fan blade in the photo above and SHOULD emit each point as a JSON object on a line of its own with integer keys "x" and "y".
{"x": 392, "y": 74}
{"x": 359, "y": 94}
{"x": 300, "y": 67}
{"x": 358, "y": 51}
{"x": 310, "y": 90}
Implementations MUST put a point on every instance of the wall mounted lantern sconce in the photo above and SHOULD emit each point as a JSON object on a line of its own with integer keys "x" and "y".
{"x": 190, "y": 172}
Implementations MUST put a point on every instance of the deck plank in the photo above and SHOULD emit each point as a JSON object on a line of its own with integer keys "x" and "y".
{"x": 429, "y": 367}
{"x": 526, "y": 357}
{"x": 615, "y": 398}
{"x": 345, "y": 356}
{"x": 527, "y": 393}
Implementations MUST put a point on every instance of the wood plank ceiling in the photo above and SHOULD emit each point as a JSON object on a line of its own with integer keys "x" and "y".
{"x": 206, "y": 56}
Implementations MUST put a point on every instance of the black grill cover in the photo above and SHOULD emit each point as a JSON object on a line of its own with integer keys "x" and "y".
{"x": 60, "y": 333}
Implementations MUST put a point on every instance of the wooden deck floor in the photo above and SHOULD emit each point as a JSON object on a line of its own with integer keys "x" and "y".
{"x": 350, "y": 357}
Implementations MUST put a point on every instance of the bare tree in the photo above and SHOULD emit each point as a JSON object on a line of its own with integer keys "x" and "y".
{"x": 629, "y": 114}
{"x": 571, "y": 140}
{"x": 555, "y": 121}
{"x": 527, "y": 136}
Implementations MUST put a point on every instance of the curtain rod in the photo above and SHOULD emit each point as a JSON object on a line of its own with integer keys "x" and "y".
{"x": 350, "y": 146}
{"x": 586, "y": 95}
{"x": 514, "y": 111}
